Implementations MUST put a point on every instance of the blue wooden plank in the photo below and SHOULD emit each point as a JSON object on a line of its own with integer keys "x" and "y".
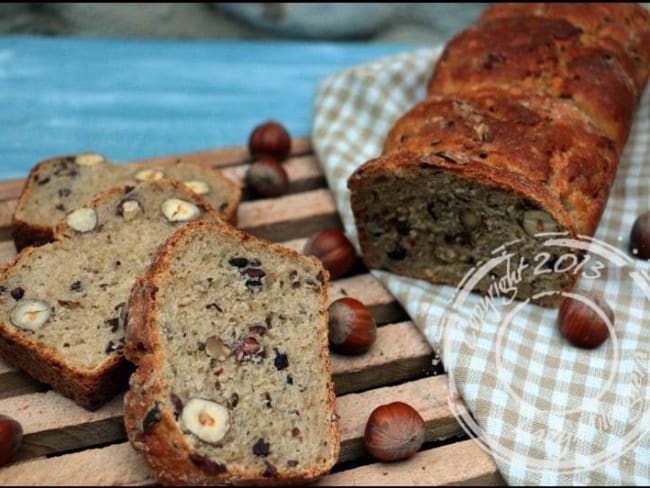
{"x": 131, "y": 99}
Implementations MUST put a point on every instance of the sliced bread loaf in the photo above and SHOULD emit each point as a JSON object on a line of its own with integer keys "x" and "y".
{"x": 58, "y": 185}
{"x": 233, "y": 381}
{"x": 63, "y": 305}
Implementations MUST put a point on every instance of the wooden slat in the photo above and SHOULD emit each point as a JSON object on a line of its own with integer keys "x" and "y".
{"x": 290, "y": 216}
{"x": 462, "y": 463}
{"x": 399, "y": 353}
{"x": 428, "y": 396}
{"x": 216, "y": 158}
{"x": 120, "y": 465}
{"x": 219, "y": 158}
{"x": 14, "y": 382}
{"x": 112, "y": 465}
{"x": 10, "y": 189}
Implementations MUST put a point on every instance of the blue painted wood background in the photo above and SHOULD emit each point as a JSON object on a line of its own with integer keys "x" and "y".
{"x": 138, "y": 98}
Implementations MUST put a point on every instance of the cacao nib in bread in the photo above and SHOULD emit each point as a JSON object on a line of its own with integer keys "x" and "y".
{"x": 522, "y": 133}
{"x": 233, "y": 381}
{"x": 63, "y": 305}
{"x": 58, "y": 185}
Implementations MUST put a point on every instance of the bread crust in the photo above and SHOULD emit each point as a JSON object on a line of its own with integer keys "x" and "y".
{"x": 88, "y": 388}
{"x": 537, "y": 146}
{"x": 163, "y": 446}
{"x": 515, "y": 48}
{"x": 27, "y": 233}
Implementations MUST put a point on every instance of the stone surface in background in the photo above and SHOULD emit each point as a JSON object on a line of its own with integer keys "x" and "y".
{"x": 392, "y": 22}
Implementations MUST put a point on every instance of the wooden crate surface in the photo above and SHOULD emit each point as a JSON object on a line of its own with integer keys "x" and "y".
{"x": 65, "y": 444}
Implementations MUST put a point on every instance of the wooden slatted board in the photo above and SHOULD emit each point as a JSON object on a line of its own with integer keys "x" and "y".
{"x": 65, "y": 444}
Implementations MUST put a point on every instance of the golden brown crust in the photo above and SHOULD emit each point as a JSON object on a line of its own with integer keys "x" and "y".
{"x": 163, "y": 446}
{"x": 88, "y": 388}
{"x": 524, "y": 49}
{"x": 537, "y": 145}
{"x": 621, "y": 26}
{"x": 34, "y": 234}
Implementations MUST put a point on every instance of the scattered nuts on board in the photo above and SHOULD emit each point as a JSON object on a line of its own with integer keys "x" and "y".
{"x": 198, "y": 186}
{"x": 352, "y": 330}
{"x": 30, "y": 314}
{"x": 176, "y": 210}
{"x": 207, "y": 420}
{"x": 581, "y": 325}
{"x": 334, "y": 250}
{"x": 269, "y": 139}
{"x": 640, "y": 237}
{"x": 89, "y": 159}
{"x": 267, "y": 178}
{"x": 11, "y": 438}
{"x": 82, "y": 220}
{"x": 394, "y": 431}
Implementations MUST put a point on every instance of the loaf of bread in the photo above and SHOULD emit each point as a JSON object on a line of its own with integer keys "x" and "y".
{"x": 63, "y": 305}
{"x": 520, "y": 135}
{"x": 233, "y": 381}
{"x": 58, "y": 185}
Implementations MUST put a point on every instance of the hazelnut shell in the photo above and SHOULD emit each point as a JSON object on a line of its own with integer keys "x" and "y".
{"x": 640, "y": 237}
{"x": 11, "y": 437}
{"x": 334, "y": 250}
{"x": 352, "y": 330}
{"x": 394, "y": 432}
{"x": 581, "y": 325}
{"x": 267, "y": 178}
{"x": 269, "y": 139}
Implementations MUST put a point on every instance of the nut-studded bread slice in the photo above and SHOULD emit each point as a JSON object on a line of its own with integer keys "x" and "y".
{"x": 63, "y": 305}
{"x": 233, "y": 380}
{"x": 56, "y": 186}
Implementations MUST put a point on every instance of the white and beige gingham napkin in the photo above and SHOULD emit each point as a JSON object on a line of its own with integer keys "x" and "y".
{"x": 547, "y": 412}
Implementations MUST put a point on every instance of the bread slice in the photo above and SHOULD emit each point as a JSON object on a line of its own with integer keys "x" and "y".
{"x": 233, "y": 381}
{"x": 58, "y": 185}
{"x": 63, "y": 305}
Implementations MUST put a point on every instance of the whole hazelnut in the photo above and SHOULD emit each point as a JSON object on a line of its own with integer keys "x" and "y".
{"x": 11, "y": 437}
{"x": 267, "y": 178}
{"x": 334, "y": 250}
{"x": 394, "y": 431}
{"x": 269, "y": 139}
{"x": 352, "y": 330}
{"x": 640, "y": 237}
{"x": 581, "y": 324}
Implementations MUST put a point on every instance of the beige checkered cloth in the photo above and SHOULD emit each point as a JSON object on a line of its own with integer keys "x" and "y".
{"x": 549, "y": 412}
